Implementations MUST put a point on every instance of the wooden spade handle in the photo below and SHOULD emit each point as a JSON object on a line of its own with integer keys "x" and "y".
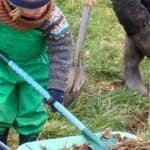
{"x": 82, "y": 31}
{"x": 89, "y": 2}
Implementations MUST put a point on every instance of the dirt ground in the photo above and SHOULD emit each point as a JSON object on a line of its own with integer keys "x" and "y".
{"x": 130, "y": 144}
{"x": 79, "y": 147}
{"x": 123, "y": 144}
{"x": 139, "y": 120}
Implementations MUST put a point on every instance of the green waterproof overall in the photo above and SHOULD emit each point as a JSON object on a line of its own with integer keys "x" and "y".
{"x": 21, "y": 106}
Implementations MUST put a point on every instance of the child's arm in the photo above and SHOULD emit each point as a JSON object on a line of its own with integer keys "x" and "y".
{"x": 59, "y": 49}
{"x": 60, "y": 62}
{"x": 132, "y": 14}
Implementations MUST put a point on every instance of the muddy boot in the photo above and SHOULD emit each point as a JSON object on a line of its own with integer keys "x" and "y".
{"x": 132, "y": 76}
{"x": 26, "y": 138}
{"x": 3, "y": 136}
{"x": 134, "y": 83}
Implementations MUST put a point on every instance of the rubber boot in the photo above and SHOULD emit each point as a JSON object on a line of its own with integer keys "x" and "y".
{"x": 3, "y": 136}
{"x": 26, "y": 138}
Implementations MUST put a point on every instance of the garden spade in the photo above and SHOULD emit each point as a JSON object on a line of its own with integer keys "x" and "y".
{"x": 77, "y": 74}
{"x": 96, "y": 142}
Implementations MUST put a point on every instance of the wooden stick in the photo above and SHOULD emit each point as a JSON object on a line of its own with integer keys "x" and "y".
{"x": 89, "y": 2}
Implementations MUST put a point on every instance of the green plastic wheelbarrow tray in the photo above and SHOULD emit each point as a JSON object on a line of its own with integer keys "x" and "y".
{"x": 68, "y": 142}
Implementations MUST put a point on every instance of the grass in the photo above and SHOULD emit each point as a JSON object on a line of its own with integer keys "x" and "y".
{"x": 105, "y": 42}
{"x": 97, "y": 106}
{"x": 100, "y": 106}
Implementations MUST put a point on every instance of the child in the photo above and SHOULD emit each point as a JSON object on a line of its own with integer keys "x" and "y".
{"x": 134, "y": 15}
{"x": 36, "y": 35}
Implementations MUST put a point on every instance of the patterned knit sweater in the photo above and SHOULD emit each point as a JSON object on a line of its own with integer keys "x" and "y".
{"x": 60, "y": 45}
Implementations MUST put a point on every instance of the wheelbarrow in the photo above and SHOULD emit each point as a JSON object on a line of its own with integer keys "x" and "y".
{"x": 70, "y": 141}
{"x": 95, "y": 141}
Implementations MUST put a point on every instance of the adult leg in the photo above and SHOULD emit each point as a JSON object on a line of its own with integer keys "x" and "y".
{"x": 132, "y": 76}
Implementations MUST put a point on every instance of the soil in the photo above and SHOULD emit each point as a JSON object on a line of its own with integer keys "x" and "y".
{"x": 139, "y": 120}
{"x": 123, "y": 144}
{"x": 78, "y": 147}
{"x": 131, "y": 144}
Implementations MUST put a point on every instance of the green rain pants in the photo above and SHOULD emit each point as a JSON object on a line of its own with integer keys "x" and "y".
{"x": 21, "y": 107}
